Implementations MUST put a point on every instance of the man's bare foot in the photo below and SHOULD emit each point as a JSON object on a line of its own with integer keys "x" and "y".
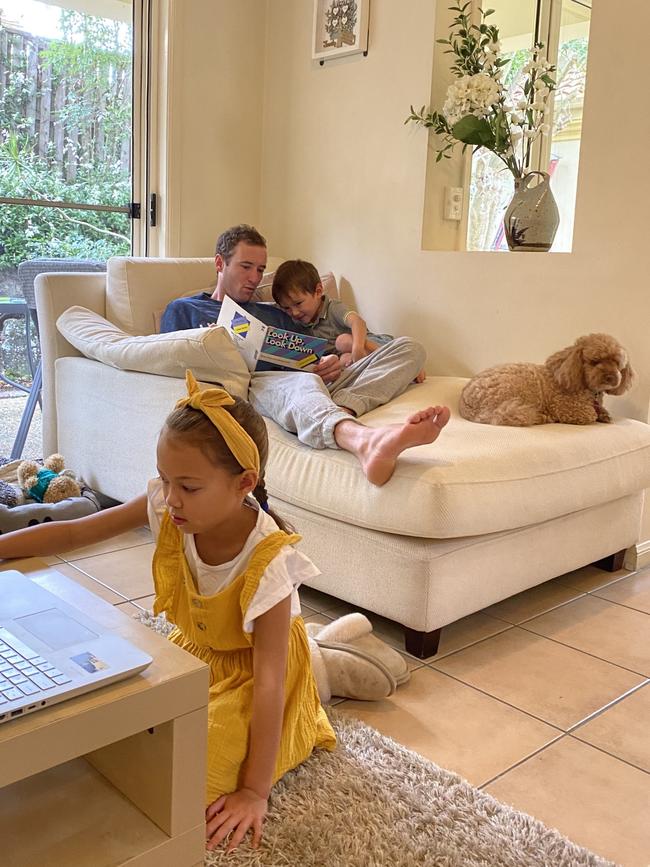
{"x": 377, "y": 449}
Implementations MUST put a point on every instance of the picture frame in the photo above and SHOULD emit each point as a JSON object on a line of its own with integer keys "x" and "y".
{"x": 340, "y": 28}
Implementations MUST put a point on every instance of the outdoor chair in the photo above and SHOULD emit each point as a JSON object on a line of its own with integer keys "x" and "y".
{"x": 27, "y": 273}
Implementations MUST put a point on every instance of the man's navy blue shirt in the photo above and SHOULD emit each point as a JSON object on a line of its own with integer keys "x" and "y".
{"x": 201, "y": 311}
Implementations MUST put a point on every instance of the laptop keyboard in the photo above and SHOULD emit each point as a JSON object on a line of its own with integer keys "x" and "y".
{"x": 23, "y": 673}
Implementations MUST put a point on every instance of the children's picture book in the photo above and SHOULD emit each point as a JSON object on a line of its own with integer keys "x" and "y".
{"x": 259, "y": 342}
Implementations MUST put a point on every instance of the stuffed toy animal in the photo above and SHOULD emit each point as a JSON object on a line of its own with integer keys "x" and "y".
{"x": 568, "y": 388}
{"x": 50, "y": 483}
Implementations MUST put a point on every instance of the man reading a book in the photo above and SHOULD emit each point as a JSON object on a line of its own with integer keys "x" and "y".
{"x": 321, "y": 406}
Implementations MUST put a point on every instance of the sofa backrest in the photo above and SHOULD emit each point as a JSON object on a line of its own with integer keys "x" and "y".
{"x": 139, "y": 289}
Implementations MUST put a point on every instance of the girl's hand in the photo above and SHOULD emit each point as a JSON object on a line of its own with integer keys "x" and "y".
{"x": 237, "y": 812}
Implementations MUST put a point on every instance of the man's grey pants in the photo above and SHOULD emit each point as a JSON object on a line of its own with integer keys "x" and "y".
{"x": 301, "y": 402}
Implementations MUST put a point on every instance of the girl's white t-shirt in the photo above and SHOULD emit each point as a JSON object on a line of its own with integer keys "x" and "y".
{"x": 281, "y": 578}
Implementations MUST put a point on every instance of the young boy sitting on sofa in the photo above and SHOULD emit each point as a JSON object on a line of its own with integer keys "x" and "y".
{"x": 297, "y": 289}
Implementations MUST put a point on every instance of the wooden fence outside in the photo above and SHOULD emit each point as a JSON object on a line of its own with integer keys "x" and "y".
{"x": 65, "y": 143}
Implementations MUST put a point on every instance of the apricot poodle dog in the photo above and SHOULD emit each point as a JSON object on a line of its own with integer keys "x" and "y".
{"x": 567, "y": 388}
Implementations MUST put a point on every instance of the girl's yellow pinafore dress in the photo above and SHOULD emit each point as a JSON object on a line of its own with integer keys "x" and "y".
{"x": 211, "y": 628}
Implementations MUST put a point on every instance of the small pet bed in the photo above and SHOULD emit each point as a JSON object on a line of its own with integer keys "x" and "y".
{"x": 26, "y": 515}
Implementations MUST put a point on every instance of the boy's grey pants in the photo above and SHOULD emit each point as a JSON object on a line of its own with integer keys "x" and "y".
{"x": 301, "y": 402}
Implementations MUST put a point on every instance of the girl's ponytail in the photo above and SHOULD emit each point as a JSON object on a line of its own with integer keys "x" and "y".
{"x": 263, "y": 499}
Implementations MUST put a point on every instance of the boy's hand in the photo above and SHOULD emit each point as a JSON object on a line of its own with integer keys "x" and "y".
{"x": 235, "y": 814}
{"x": 359, "y": 352}
{"x": 328, "y": 368}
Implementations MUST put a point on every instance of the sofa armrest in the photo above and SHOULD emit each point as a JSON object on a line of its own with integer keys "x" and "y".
{"x": 54, "y": 294}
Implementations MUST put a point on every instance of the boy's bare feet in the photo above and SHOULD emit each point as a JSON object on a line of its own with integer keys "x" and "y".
{"x": 377, "y": 449}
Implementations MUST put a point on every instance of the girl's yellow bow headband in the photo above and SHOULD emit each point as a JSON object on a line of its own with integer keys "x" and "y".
{"x": 211, "y": 402}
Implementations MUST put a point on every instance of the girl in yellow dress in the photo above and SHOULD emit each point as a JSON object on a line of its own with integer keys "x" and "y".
{"x": 226, "y": 574}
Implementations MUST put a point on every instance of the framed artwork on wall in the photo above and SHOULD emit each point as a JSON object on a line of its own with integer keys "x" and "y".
{"x": 340, "y": 28}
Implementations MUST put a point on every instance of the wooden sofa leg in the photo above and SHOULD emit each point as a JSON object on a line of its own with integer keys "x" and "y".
{"x": 612, "y": 563}
{"x": 421, "y": 644}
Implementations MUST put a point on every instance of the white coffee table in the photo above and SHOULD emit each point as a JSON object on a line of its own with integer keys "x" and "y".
{"x": 113, "y": 777}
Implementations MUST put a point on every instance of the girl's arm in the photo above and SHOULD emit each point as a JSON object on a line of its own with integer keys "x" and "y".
{"x": 246, "y": 808}
{"x": 359, "y": 333}
{"x": 269, "y": 671}
{"x": 57, "y": 536}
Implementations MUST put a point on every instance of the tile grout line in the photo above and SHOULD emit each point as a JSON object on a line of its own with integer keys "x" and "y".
{"x": 467, "y": 646}
{"x": 550, "y": 744}
{"x": 621, "y": 604}
{"x": 106, "y": 553}
{"x": 606, "y": 707}
{"x": 521, "y": 626}
{"x": 502, "y": 701}
{"x": 101, "y": 584}
{"x": 528, "y": 713}
{"x": 522, "y": 761}
{"x": 611, "y": 755}
{"x": 586, "y": 652}
{"x": 580, "y": 595}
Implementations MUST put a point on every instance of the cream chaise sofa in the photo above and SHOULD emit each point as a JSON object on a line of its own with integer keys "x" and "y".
{"x": 482, "y": 514}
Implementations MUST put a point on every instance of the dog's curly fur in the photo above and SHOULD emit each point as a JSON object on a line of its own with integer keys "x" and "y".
{"x": 567, "y": 388}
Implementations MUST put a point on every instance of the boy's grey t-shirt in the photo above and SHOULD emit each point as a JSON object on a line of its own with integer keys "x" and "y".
{"x": 332, "y": 321}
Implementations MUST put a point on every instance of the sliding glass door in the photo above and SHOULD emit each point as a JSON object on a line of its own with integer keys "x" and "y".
{"x": 66, "y": 121}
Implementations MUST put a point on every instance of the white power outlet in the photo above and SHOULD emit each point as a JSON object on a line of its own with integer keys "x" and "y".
{"x": 453, "y": 208}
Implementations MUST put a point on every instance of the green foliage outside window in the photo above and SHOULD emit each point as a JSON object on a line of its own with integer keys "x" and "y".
{"x": 65, "y": 128}
{"x": 81, "y": 153}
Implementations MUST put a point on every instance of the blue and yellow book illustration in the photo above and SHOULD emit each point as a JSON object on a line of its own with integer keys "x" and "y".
{"x": 239, "y": 324}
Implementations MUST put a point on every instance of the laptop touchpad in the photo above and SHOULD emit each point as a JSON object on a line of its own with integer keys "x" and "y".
{"x": 55, "y": 628}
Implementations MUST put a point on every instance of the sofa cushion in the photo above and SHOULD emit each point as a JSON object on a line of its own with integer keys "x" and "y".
{"x": 474, "y": 479}
{"x": 208, "y": 352}
{"x": 137, "y": 287}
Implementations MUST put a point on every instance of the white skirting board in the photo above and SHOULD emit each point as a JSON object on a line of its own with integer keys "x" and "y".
{"x": 638, "y": 556}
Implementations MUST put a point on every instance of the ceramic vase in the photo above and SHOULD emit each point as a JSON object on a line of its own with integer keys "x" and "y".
{"x": 532, "y": 217}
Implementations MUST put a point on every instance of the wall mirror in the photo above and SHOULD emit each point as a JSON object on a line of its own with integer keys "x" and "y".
{"x": 466, "y": 196}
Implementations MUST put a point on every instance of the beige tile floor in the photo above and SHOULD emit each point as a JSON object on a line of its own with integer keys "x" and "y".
{"x": 542, "y": 700}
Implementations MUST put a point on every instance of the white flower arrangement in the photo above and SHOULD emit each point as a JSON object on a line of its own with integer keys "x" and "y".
{"x": 479, "y": 110}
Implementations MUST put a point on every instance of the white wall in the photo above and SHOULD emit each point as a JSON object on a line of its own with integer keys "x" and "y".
{"x": 343, "y": 183}
{"x": 216, "y": 50}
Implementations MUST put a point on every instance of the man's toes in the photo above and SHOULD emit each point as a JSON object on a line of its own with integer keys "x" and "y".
{"x": 421, "y": 415}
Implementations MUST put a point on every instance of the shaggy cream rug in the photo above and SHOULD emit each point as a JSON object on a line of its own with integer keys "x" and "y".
{"x": 373, "y": 803}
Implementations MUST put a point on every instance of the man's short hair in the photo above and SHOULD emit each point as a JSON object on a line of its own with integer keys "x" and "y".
{"x": 294, "y": 274}
{"x": 228, "y": 240}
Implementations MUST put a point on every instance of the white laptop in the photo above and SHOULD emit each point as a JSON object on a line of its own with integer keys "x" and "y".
{"x": 51, "y": 651}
